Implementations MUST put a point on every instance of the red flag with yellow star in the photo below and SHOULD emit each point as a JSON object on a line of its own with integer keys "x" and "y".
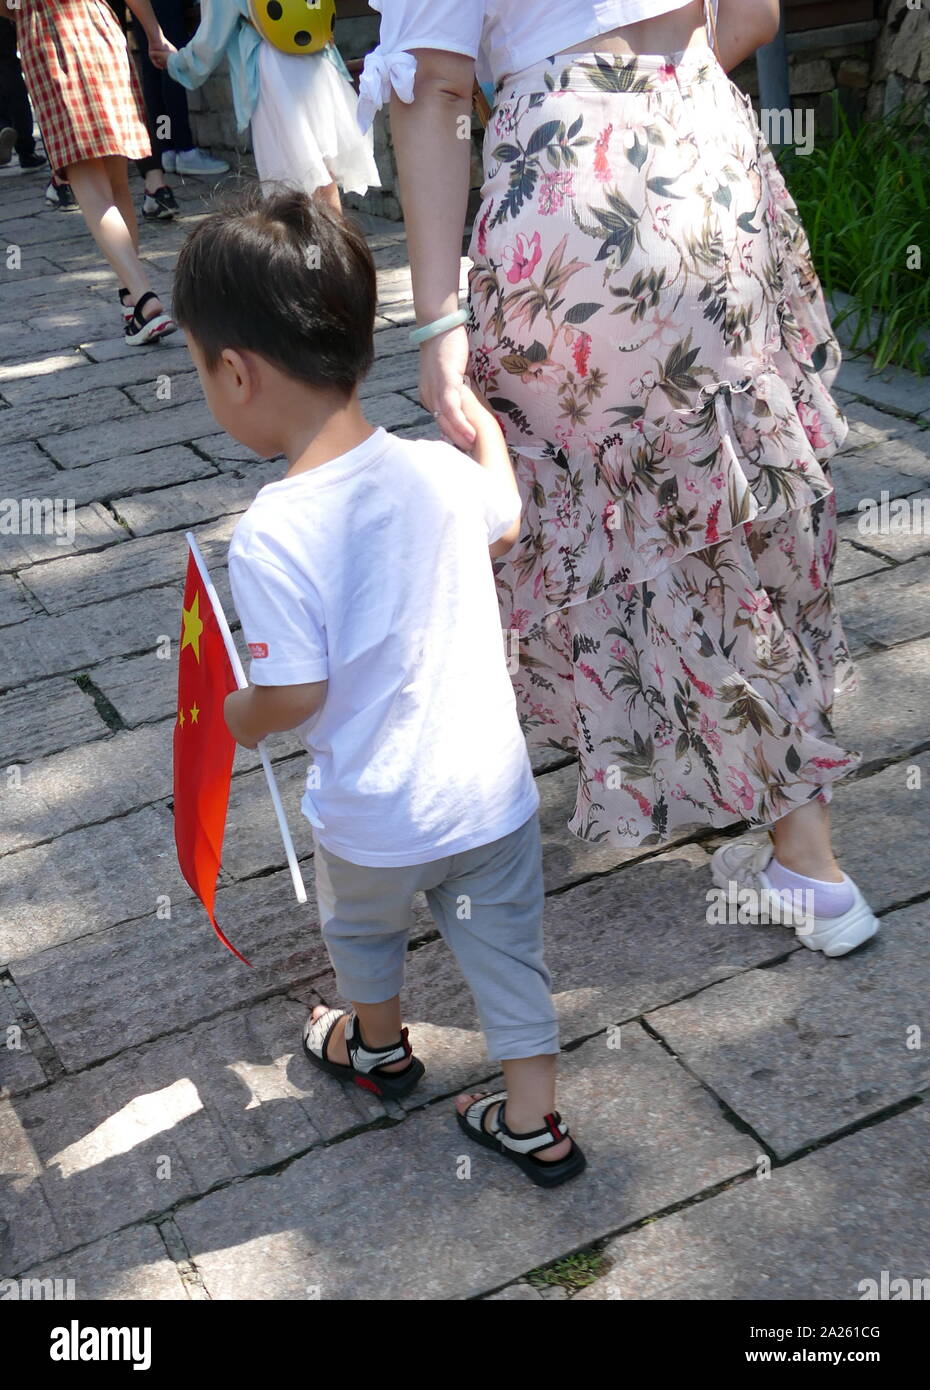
{"x": 203, "y": 746}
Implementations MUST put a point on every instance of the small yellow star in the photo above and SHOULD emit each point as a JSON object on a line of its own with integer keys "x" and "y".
{"x": 193, "y": 626}
{"x": 194, "y": 713}
{"x": 181, "y": 717}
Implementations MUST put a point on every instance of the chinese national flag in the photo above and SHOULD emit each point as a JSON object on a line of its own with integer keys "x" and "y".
{"x": 203, "y": 746}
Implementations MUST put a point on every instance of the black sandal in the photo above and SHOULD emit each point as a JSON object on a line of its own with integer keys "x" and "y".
{"x": 126, "y": 308}
{"x": 522, "y": 1148}
{"x": 366, "y": 1064}
{"x": 140, "y": 330}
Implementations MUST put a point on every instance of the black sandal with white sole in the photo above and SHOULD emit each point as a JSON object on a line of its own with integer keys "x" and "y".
{"x": 366, "y": 1064}
{"x": 140, "y": 330}
{"x": 523, "y": 1148}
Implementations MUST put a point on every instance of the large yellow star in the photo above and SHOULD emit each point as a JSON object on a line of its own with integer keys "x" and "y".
{"x": 193, "y": 626}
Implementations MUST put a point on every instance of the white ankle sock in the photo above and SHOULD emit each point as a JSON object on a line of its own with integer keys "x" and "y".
{"x": 829, "y": 899}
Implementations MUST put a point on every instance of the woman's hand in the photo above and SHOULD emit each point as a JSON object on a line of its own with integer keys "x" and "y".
{"x": 160, "y": 50}
{"x": 443, "y": 364}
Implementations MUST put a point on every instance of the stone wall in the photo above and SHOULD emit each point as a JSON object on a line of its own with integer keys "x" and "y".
{"x": 901, "y": 69}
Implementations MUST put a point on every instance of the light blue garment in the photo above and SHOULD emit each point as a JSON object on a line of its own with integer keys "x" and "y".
{"x": 225, "y": 31}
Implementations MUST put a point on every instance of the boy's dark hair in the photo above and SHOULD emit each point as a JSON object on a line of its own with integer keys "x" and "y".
{"x": 285, "y": 277}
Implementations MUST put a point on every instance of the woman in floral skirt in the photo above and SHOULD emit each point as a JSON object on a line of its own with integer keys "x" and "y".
{"x": 646, "y": 323}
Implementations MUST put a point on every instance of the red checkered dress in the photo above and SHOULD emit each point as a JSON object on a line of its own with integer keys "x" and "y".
{"x": 83, "y": 86}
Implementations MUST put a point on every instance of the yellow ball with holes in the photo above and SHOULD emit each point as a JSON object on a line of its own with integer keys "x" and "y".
{"x": 295, "y": 26}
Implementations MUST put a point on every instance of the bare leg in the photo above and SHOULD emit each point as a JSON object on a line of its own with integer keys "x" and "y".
{"x": 803, "y": 844}
{"x": 118, "y": 173}
{"x": 107, "y": 224}
{"x": 329, "y": 193}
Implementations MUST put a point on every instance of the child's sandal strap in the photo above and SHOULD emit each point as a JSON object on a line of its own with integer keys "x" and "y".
{"x": 366, "y": 1059}
{"x": 553, "y": 1132}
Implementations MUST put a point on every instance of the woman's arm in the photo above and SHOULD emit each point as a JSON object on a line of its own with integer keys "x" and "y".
{"x": 742, "y": 27}
{"x": 432, "y": 143}
{"x": 193, "y": 64}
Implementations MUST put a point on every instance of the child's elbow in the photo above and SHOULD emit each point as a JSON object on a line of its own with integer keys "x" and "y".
{"x": 505, "y": 542}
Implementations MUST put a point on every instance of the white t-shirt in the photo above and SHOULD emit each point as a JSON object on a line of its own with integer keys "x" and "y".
{"x": 503, "y": 36}
{"x": 372, "y": 572}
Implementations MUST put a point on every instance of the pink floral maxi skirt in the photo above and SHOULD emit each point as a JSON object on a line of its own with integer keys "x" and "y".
{"x": 648, "y": 327}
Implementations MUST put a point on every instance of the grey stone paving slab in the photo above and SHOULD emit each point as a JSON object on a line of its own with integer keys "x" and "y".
{"x": 29, "y": 473}
{"x": 396, "y": 371}
{"x": 890, "y": 712}
{"x": 892, "y": 389}
{"x": 19, "y": 1069}
{"x": 132, "y": 437}
{"x": 168, "y": 388}
{"x": 86, "y": 784}
{"x": 651, "y": 1134}
{"x": 131, "y": 1265}
{"x": 876, "y": 428}
{"x": 227, "y": 453}
{"x": 859, "y": 475}
{"x": 851, "y": 561}
{"x": 906, "y": 527}
{"x": 32, "y": 266}
{"x": 39, "y": 719}
{"x": 881, "y": 829}
{"x": 811, "y": 1231}
{"x": 48, "y": 646}
{"x": 136, "y": 564}
{"x": 59, "y": 383}
{"x": 615, "y": 947}
{"x": 191, "y": 504}
{"x": 48, "y": 227}
{"x": 94, "y": 997}
{"x": 94, "y": 528}
{"x": 253, "y": 842}
{"x": 141, "y": 688}
{"x": 84, "y": 881}
{"x": 805, "y": 1048}
{"x": 15, "y": 605}
{"x": 15, "y": 287}
{"x": 891, "y": 607}
{"x": 111, "y": 349}
{"x": 393, "y": 411}
{"x": 163, "y": 1122}
{"x": 17, "y": 371}
{"x": 86, "y": 410}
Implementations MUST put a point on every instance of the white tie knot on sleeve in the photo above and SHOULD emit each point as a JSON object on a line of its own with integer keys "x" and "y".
{"x": 381, "y": 72}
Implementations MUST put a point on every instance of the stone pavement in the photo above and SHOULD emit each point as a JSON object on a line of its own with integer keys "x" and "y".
{"x": 755, "y": 1115}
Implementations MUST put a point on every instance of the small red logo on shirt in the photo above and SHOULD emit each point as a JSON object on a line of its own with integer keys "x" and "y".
{"x": 258, "y": 649}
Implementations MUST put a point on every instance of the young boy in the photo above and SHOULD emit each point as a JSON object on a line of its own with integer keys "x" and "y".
{"x": 364, "y": 586}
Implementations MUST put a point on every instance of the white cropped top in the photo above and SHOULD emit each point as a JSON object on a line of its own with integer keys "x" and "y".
{"x": 502, "y": 36}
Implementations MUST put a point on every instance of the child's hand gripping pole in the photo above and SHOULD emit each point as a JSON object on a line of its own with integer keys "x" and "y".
{"x": 239, "y": 673}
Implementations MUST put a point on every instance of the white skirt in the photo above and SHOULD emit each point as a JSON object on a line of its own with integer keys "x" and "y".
{"x": 304, "y": 128}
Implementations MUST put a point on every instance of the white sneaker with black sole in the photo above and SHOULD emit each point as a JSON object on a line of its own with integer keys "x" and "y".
{"x": 741, "y": 864}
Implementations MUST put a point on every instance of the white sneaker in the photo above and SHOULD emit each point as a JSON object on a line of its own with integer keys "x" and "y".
{"x": 741, "y": 864}
{"x": 198, "y": 163}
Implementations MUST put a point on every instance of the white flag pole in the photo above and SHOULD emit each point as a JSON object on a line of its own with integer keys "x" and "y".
{"x": 238, "y": 672}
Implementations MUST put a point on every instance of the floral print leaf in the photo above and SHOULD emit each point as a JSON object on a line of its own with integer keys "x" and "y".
{"x": 579, "y": 313}
{"x": 792, "y": 759}
{"x": 542, "y": 136}
{"x": 638, "y": 153}
{"x": 614, "y": 77}
{"x": 663, "y": 187}
{"x": 505, "y": 154}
